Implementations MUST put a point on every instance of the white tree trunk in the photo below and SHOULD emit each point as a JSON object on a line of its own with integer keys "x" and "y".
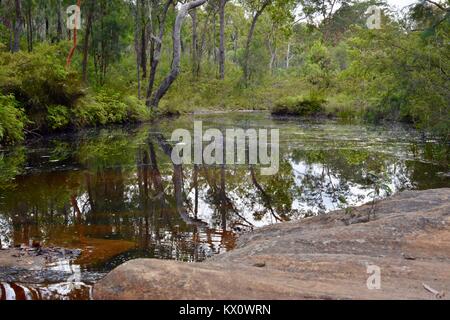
{"x": 173, "y": 74}
{"x": 288, "y": 56}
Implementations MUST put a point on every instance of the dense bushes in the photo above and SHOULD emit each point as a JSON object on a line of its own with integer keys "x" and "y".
{"x": 310, "y": 105}
{"x": 38, "y": 80}
{"x": 319, "y": 66}
{"x": 12, "y": 120}
{"x": 375, "y": 75}
{"x": 402, "y": 77}
{"x": 38, "y": 93}
{"x": 58, "y": 117}
{"x": 105, "y": 107}
{"x": 42, "y": 86}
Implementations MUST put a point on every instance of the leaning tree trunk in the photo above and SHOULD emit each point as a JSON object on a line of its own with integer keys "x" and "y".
{"x": 156, "y": 52}
{"x": 175, "y": 71}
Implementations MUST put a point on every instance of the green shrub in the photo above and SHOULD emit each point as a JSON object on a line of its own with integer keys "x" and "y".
{"x": 58, "y": 117}
{"x": 12, "y": 163}
{"x": 343, "y": 106}
{"x": 38, "y": 80}
{"x": 310, "y": 105}
{"x": 105, "y": 107}
{"x": 136, "y": 109}
{"x": 115, "y": 109}
{"x": 88, "y": 112}
{"x": 5, "y": 35}
{"x": 319, "y": 67}
{"x": 12, "y": 120}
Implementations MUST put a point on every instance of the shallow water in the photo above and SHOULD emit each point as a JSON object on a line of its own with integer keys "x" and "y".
{"x": 111, "y": 192}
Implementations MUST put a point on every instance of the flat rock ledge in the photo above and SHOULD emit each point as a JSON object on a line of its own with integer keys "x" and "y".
{"x": 325, "y": 257}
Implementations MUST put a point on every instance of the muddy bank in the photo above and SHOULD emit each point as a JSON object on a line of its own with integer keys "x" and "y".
{"x": 326, "y": 257}
{"x": 44, "y": 273}
{"x": 35, "y": 266}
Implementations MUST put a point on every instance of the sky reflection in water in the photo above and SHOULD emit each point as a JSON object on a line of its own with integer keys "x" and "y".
{"x": 112, "y": 192}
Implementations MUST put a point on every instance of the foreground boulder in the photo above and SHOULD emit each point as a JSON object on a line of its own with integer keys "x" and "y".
{"x": 406, "y": 238}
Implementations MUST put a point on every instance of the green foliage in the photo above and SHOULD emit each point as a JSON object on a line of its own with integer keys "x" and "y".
{"x": 11, "y": 165}
{"x": 110, "y": 148}
{"x": 58, "y": 117}
{"x": 343, "y": 106}
{"x": 4, "y": 37}
{"x": 206, "y": 94}
{"x": 88, "y": 112}
{"x": 319, "y": 67}
{"x": 12, "y": 120}
{"x": 376, "y": 75}
{"x": 136, "y": 109}
{"x": 39, "y": 80}
{"x": 53, "y": 97}
{"x": 113, "y": 25}
{"x": 115, "y": 110}
{"x": 400, "y": 76}
{"x": 107, "y": 107}
{"x": 310, "y": 105}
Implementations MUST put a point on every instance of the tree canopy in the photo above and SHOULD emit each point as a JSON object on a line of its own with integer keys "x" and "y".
{"x": 136, "y": 59}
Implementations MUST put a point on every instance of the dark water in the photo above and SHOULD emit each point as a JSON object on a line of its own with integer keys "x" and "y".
{"x": 115, "y": 194}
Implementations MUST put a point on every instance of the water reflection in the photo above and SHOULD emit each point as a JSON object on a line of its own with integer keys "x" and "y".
{"x": 59, "y": 291}
{"x": 116, "y": 194}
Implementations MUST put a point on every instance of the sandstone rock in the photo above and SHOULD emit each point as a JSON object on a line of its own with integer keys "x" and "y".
{"x": 324, "y": 257}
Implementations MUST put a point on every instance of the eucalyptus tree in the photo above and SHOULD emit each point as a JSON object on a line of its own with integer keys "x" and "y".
{"x": 110, "y": 34}
{"x": 205, "y": 38}
{"x": 427, "y": 15}
{"x": 348, "y": 14}
{"x": 160, "y": 12}
{"x": 222, "y": 4}
{"x": 280, "y": 12}
{"x": 137, "y": 47}
{"x": 28, "y": 10}
{"x": 89, "y": 8}
{"x": 17, "y": 24}
{"x": 321, "y": 9}
{"x": 59, "y": 22}
{"x": 257, "y": 8}
{"x": 175, "y": 70}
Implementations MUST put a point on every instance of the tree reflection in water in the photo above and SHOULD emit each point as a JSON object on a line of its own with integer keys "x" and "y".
{"x": 116, "y": 193}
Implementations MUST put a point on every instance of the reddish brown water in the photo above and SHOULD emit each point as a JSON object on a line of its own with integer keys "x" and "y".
{"x": 111, "y": 192}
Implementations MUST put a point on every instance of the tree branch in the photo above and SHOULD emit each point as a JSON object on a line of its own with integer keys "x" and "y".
{"x": 171, "y": 77}
{"x": 440, "y": 6}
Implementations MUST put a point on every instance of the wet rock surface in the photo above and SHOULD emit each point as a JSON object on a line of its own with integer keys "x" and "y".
{"x": 28, "y": 265}
{"x": 44, "y": 273}
{"x": 325, "y": 257}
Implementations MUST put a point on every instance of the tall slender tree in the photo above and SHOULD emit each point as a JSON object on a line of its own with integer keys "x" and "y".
{"x": 258, "y": 9}
{"x": 90, "y": 8}
{"x": 175, "y": 70}
{"x": 17, "y": 25}
{"x": 222, "y": 5}
{"x": 156, "y": 53}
